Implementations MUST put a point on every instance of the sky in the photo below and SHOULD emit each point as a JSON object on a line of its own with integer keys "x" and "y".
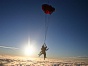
{"x": 67, "y": 35}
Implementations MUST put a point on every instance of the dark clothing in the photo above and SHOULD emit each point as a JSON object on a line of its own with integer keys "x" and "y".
{"x": 43, "y": 50}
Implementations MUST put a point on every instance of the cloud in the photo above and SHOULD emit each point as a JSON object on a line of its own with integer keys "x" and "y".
{"x": 8, "y": 47}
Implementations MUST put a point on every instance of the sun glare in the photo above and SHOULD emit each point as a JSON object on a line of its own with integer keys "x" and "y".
{"x": 29, "y": 50}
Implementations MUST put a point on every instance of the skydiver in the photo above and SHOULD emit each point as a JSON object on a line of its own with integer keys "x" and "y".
{"x": 43, "y": 50}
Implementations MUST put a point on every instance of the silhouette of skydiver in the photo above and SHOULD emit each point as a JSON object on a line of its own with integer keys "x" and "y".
{"x": 43, "y": 50}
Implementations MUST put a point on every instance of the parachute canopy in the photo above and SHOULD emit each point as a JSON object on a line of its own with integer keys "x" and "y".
{"x": 48, "y": 9}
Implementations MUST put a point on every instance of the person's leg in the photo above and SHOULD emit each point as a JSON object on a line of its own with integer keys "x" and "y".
{"x": 40, "y": 53}
{"x": 45, "y": 54}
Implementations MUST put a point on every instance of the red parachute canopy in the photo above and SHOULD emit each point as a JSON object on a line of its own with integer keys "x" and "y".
{"x": 48, "y": 9}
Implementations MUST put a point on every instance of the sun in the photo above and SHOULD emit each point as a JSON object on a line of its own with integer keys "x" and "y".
{"x": 29, "y": 50}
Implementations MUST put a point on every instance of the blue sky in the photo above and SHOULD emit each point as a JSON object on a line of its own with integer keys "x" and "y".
{"x": 67, "y": 34}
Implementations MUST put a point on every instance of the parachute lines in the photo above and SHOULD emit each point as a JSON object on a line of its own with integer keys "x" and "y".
{"x": 46, "y": 26}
